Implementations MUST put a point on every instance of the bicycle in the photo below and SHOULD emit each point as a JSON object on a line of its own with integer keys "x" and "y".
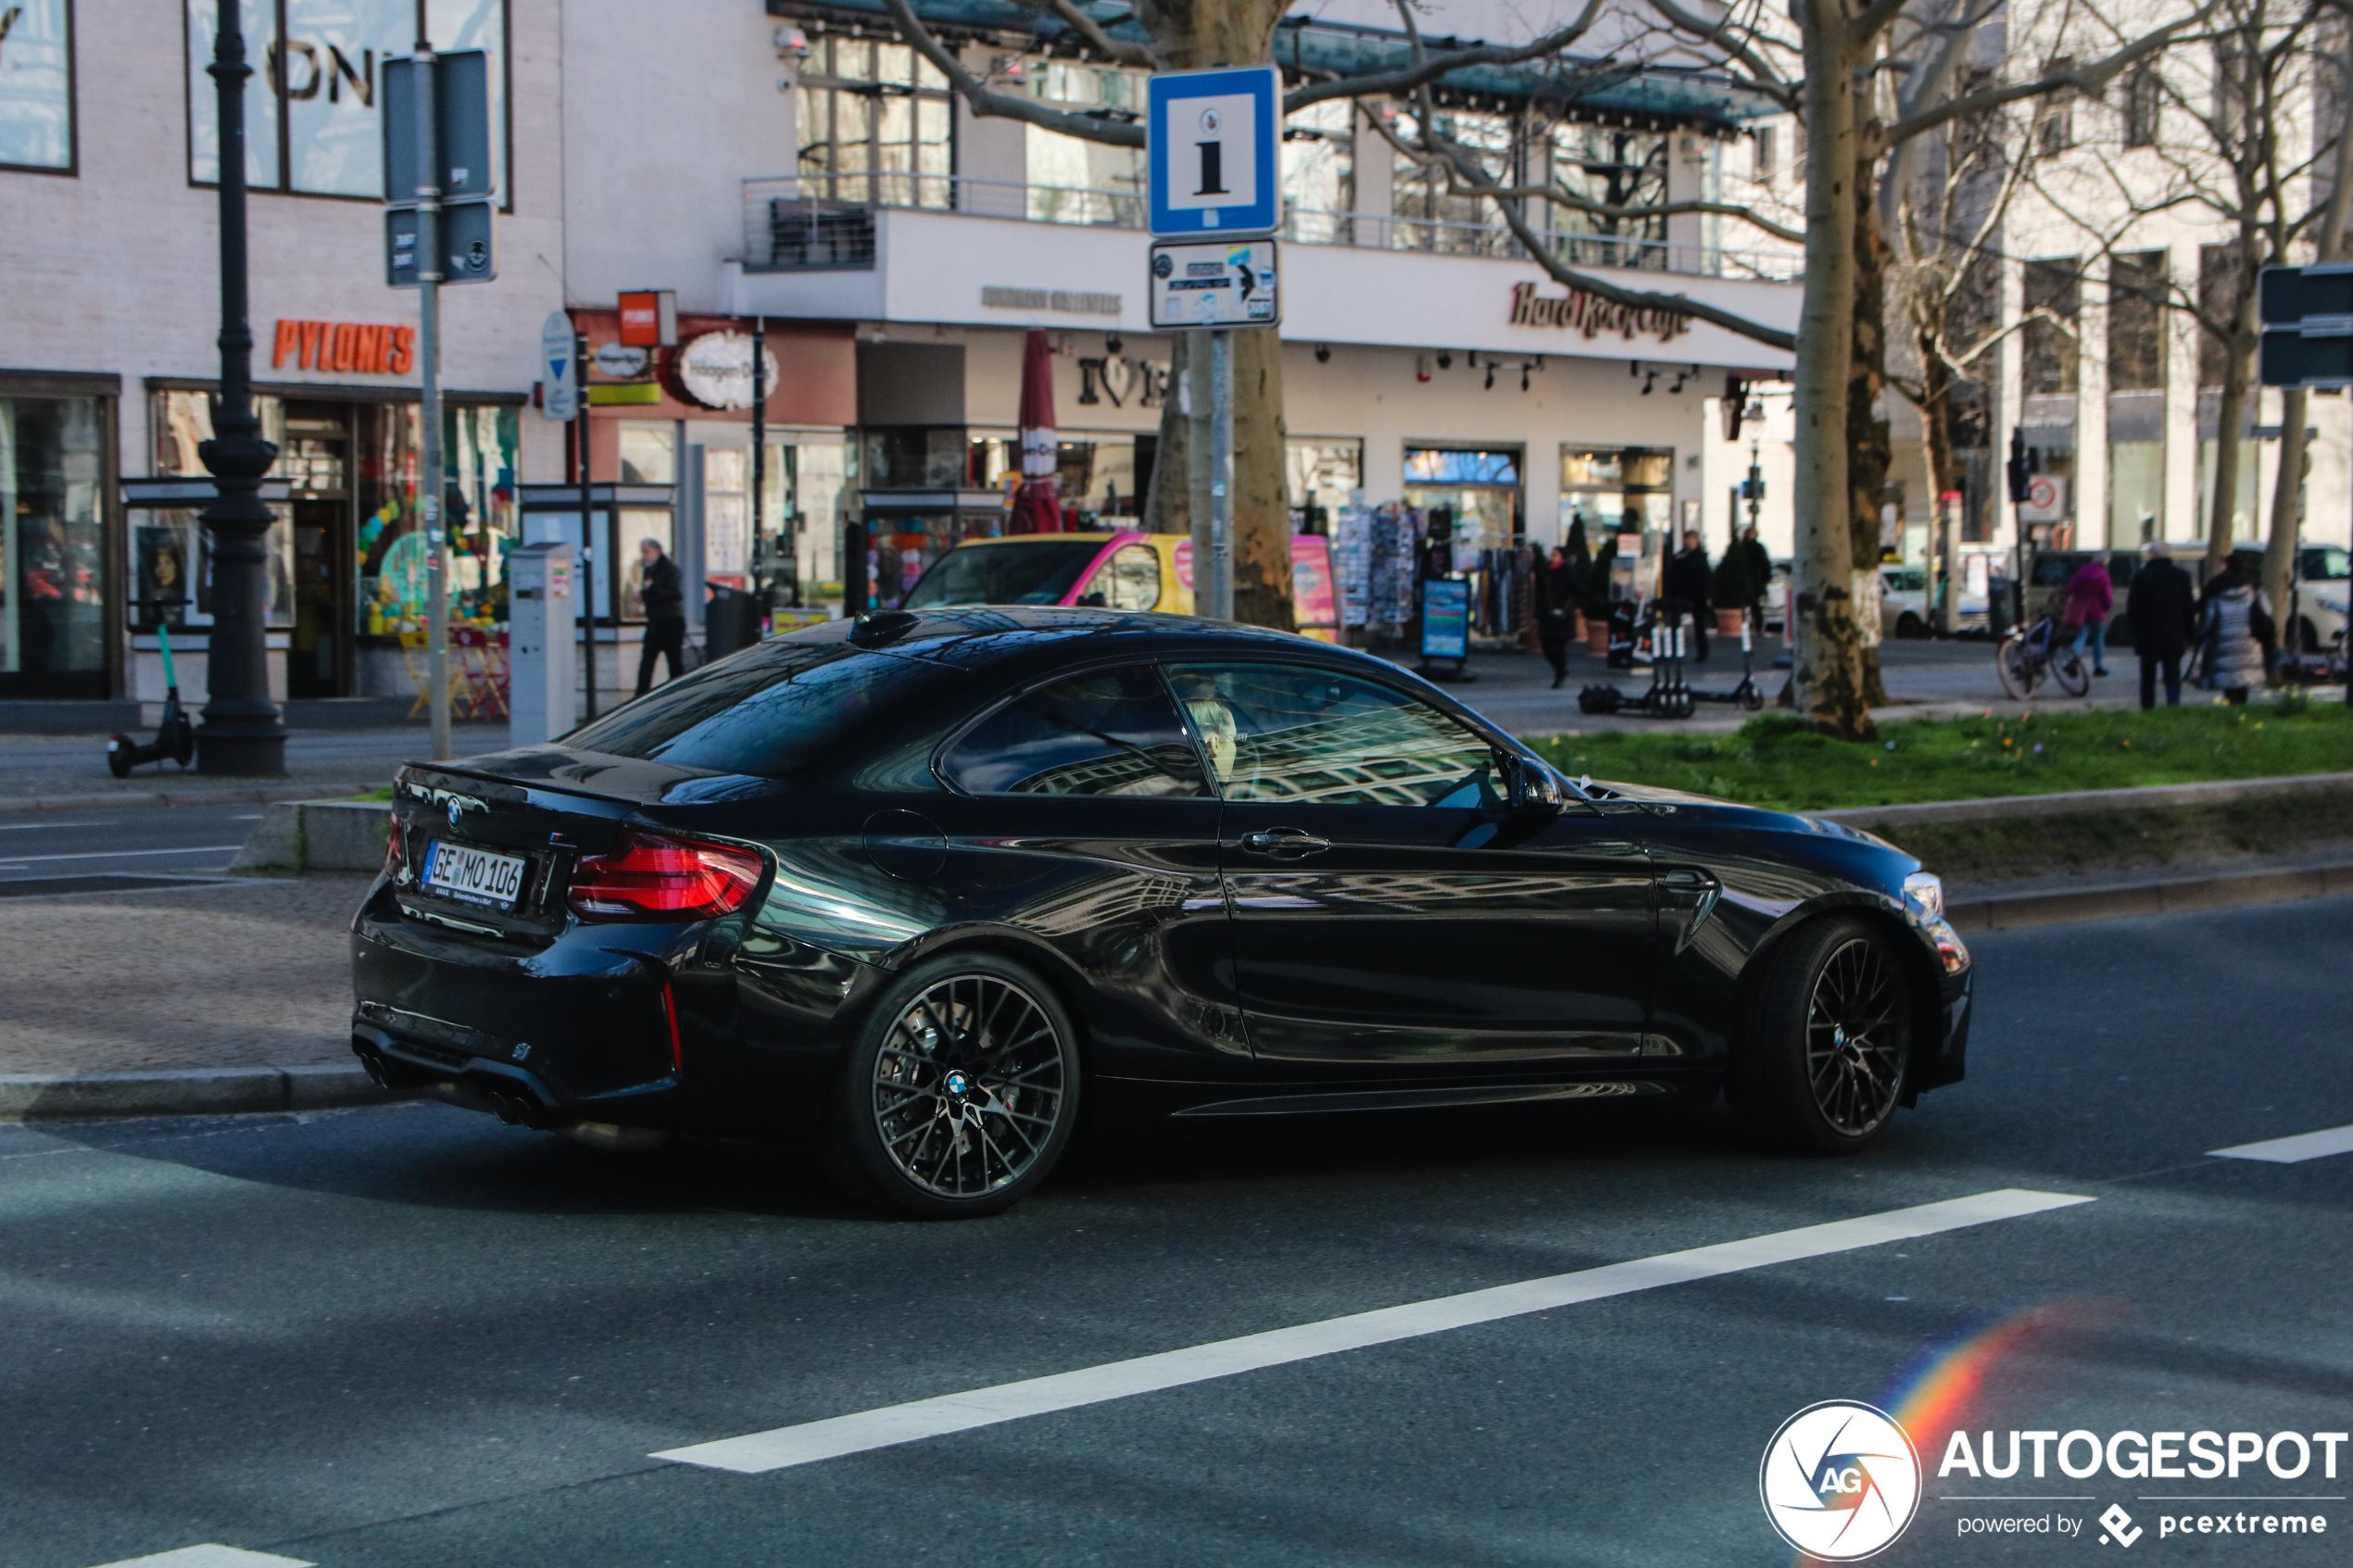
{"x": 2025, "y": 659}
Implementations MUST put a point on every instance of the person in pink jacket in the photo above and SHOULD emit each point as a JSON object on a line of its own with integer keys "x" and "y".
{"x": 2090, "y": 597}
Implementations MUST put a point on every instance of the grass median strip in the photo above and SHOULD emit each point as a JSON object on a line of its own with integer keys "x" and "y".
{"x": 1772, "y": 760}
{"x": 812, "y": 1441}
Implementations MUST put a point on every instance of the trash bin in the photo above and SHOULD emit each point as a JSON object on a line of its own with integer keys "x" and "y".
{"x": 730, "y": 621}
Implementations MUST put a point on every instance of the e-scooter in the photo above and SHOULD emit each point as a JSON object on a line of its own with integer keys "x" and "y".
{"x": 175, "y": 737}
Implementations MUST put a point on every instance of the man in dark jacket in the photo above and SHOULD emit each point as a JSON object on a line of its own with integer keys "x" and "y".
{"x": 2162, "y": 612}
{"x": 665, "y": 615}
{"x": 1686, "y": 582}
{"x": 1759, "y": 561}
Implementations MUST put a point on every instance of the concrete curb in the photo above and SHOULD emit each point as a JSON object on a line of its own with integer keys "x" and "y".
{"x": 102, "y": 800}
{"x": 202, "y": 1091}
{"x": 316, "y": 835}
{"x": 2019, "y": 911}
{"x": 2082, "y": 801}
{"x": 218, "y": 1091}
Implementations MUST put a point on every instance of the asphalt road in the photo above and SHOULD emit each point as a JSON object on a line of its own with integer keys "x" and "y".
{"x": 36, "y": 848}
{"x": 410, "y": 1336}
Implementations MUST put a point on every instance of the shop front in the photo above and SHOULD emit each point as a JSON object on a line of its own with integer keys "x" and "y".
{"x": 58, "y": 527}
{"x": 348, "y": 577}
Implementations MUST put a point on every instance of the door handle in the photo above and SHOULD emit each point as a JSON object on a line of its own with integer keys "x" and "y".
{"x": 1688, "y": 881}
{"x": 1284, "y": 844}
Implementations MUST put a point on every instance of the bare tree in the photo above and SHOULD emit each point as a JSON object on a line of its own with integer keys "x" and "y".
{"x": 1825, "y": 65}
{"x": 2226, "y": 140}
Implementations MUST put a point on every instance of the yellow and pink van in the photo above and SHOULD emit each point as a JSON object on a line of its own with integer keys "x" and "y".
{"x": 1121, "y": 570}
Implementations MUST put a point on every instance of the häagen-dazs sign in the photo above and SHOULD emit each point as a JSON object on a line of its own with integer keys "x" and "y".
{"x": 1593, "y": 315}
{"x": 716, "y": 370}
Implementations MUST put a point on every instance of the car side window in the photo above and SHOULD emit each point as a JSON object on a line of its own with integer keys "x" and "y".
{"x": 1131, "y": 580}
{"x": 1110, "y": 731}
{"x": 1284, "y": 732}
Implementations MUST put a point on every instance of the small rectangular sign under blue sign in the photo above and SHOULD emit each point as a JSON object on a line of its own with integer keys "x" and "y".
{"x": 1212, "y": 138}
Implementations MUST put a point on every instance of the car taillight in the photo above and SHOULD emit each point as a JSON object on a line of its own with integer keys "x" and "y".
{"x": 396, "y": 853}
{"x": 649, "y": 877}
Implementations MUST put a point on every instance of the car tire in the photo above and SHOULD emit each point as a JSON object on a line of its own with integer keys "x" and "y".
{"x": 1826, "y": 1053}
{"x": 1910, "y": 627}
{"x": 960, "y": 1094}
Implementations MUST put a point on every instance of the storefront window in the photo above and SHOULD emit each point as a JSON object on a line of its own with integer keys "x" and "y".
{"x": 726, "y": 514}
{"x": 1616, "y": 489}
{"x": 317, "y": 66}
{"x": 876, "y": 125}
{"x": 483, "y": 449}
{"x": 1319, "y": 172}
{"x": 1321, "y": 474}
{"x": 36, "y": 86}
{"x": 806, "y": 477}
{"x": 2135, "y": 492}
{"x": 171, "y": 557}
{"x": 52, "y": 546}
{"x": 649, "y": 454}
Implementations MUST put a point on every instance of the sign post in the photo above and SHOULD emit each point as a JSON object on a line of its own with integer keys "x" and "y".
{"x": 1212, "y": 139}
{"x": 436, "y": 146}
{"x": 2307, "y": 342}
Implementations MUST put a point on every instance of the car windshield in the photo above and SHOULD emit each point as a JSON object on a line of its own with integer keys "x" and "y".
{"x": 770, "y": 710}
{"x": 1030, "y": 571}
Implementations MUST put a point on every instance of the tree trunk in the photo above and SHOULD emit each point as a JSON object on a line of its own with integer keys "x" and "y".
{"x": 2287, "y": 514}
{"x": 1261, "y": 487}
{"x": 2238, "y": 366}
{"x": 1827, "y": 669}
{"x": 1869, "y": 449}
{"x": 1936, "y": 437}
{"x": 1168, "y": 506}
{"x": 1198, "y": 35}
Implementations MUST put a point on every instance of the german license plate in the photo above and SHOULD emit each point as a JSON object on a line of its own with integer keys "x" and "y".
{"x": 477, "y": 876}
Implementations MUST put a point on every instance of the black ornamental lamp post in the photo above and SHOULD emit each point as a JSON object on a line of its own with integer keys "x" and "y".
{"x": 240, "y": 733}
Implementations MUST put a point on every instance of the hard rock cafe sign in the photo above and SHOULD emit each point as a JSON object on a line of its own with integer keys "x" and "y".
{"x": 1594, "y": 316}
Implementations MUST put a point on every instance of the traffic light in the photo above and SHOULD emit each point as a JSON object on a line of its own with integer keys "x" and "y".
{"x": 2023, "y": 465}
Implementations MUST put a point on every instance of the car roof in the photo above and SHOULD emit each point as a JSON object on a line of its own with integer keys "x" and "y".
{"x": 1091, "y": 537}
{"x": 977, "y": 635}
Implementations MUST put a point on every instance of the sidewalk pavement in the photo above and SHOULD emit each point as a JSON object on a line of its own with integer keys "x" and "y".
{"x": 68, "y": 773}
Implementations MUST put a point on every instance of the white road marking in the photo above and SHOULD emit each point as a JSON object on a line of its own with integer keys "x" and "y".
{"x": 210, "y": 1557}
{"x": 125, "y": 854}
{"x": 2288, "y": 1151}
{"x": 37, "y": 827}
{"x": 811, "y": 1441}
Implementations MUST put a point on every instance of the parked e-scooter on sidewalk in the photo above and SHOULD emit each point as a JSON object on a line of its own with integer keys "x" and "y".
{"x": 175, "y": 737}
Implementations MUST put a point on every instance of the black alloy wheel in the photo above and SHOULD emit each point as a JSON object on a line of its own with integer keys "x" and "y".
{"x": 1823, "y": 1064}
{"x": 961, "y": 1092}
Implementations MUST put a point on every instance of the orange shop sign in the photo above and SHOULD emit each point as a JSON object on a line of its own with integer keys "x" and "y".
{"x": 343, "y": 345}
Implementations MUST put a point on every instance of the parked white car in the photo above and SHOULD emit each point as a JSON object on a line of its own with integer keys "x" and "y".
{"x": 1903, "y": 608}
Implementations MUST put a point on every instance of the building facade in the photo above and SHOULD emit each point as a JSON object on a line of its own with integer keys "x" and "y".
{"x": 797, "y": 168}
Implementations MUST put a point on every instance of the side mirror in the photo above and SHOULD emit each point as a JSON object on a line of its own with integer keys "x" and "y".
{"x": 1531, "y": 787}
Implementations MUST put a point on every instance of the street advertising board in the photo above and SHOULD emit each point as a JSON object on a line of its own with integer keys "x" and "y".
{"x": 1314, "y": 605}
{"x": 1224, "y": 284}
{"x": 2308, "y": 325}
{"x": 1212, "y": 139}
{"x": 1445, "y": 618}
{"x": 650, "y": 317}
{"x": 559, "y": 375}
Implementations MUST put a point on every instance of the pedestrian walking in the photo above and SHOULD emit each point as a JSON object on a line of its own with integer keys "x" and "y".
{"x": 1759, "y": 563}
{"x": 1687, "y": 583}
{"x": 2237, "y": 624}
{"x": 2162, "y": 614}
{"x": 1557, "y": 593}
{"x": 2090, "y": 597}
{"x": 665, "y": 601}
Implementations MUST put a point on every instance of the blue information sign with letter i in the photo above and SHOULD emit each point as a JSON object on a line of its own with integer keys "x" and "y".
{"x": 1213, "y": 136}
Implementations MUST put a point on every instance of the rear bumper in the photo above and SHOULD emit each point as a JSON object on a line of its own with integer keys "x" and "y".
{"x": 644, "y": 1025}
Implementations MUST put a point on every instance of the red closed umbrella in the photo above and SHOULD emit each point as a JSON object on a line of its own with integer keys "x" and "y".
{"x": 1038, "y": 507}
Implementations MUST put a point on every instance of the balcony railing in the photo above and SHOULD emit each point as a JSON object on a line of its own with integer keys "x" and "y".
{"x": 816, "y": 223}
